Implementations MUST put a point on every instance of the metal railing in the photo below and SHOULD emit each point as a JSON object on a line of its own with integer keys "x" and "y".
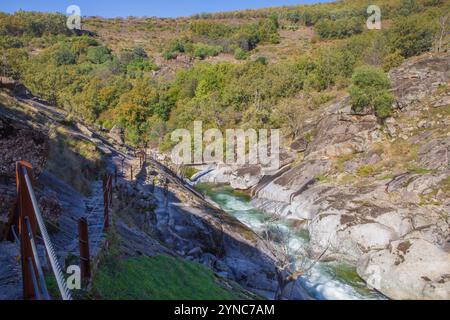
{"x": 30, "y": 224}
{"x": 31, "y": 221}
{"x": 107, "y": 198}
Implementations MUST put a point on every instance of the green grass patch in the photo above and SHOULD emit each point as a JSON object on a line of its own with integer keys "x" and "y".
{"x": 189, "y": 172}
{"x": 365, "y": 171}
{"x": 210, "y": 189}
{"x": 348, "y": 274}
{"x": 160, "y": 278}
{"x": 340, "y": 162}
{"x": 322, "y": 178}
{"x": 445, "y": 185}
{"x": 420, "y": 170}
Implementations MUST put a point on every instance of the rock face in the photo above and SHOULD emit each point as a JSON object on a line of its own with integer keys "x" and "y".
{"x": 10, "y": 272}
{"x": 364, "y": 188}
{"x": 367, "y": 190}
{"x": 408, "y": 269}
{"x": 242, "y": 177}
{"x": 18, "y": 142}
{"x": 170, "y": 217}
{"x": 416, "y": 79}
{"x": 116, "y": 135}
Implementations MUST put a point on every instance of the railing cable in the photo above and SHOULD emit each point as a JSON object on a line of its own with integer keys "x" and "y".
{"x": 36, "y": 260}
{"x": 65, "y": 293}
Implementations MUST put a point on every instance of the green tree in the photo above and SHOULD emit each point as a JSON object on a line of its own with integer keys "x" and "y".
{"x": 98, "y": 55}
{"x": 64, "y": 56}
{"x": 412, "y": 35}
{"x": 370, "y": 92}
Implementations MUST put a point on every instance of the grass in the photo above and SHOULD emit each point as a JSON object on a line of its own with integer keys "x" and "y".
{"x": 402, "y": 150}
{"x": 349, "y": 275}
{"x": 208, "y": 189}
{"x": 428, "y": 199}
{"x": 160, "y": 278}
{"x": 77, "y": 162}
{"x": 445, "y": 185}
{"x": 189, "y": 172}
{"x": 340, "y": 162}
{"x": 322, "y": 178}
{"x": 365, "y": 171}
{"x": 420, "y": 170}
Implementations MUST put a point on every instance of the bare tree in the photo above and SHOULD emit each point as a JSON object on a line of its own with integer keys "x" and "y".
{"x": 444, "y": 26}
{"x": 288, "y": 267}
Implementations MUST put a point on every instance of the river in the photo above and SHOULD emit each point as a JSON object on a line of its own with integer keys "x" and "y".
{"x": 325, "y": 280}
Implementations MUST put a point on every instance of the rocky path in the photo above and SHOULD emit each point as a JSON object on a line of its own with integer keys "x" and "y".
{"x": 64, "y": 234}
{"x": 95, "y": 217}
{"x": 10, "y": 272}
{"x": 75, "y": 206}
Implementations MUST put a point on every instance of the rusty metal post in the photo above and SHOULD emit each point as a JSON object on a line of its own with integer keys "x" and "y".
{"x": 25, "y": 210}
{"x": 83, "y": 236}
{"x": 115, "y": 175}
{"x": 131, "y": 172}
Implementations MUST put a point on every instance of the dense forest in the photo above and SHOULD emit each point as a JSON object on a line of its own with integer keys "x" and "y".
{"x": 125, "y": 87}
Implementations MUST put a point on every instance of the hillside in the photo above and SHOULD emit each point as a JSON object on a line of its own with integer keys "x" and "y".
{"x": 364, "y": 118}
{"x": 375, "y": 195}
{"x": 150, "y": 76}
{"x": 154, "y": 223}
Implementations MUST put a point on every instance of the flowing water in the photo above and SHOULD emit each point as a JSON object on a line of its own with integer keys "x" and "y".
{"x": 325, "y": 280}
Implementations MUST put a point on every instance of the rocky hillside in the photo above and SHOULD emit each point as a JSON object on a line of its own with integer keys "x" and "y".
{"x": 156, "y": 215}
{"x": 376, "y": 194}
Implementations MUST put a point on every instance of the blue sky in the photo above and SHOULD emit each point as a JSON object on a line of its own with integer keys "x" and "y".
{"x": 160, "y": 8}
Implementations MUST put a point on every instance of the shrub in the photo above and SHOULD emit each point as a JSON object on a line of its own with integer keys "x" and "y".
{"x": 383, "y": 104}
{"x": 370, "y": 77}
{"x": 294, "y": 17}
{"x": 268, "y": 30}
{"x": 202, "y": 51}
{"x": 210, "y": 29}
{"x": 392, "y": 60}
{"x": 138, "y": 66}
{"x": 411, "y": 35}
{"x": 408, "y": 7}
{"x": 262, "y": 60}
{"x": 170, "y": 55}
{"x": 64, "y": 56}
{"x": 175, "y": 47}
{"x": 7, "y": 42}
{"x": 369, "y": 91}
{"x": 338, "y": 29}
{"x": 98, "y": 55}
{"x": 240, "y": 54}
{"x": 139, "y": 53}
